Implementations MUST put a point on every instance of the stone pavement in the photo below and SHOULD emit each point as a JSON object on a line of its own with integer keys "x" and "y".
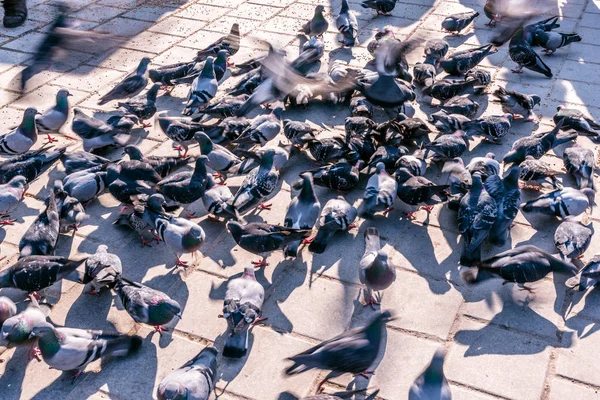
{"x": 501, "y": 342}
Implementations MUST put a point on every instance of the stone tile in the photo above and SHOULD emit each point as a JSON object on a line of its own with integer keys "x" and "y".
{"x": 202, "y": 12}
{"x": 124, "y": 26}
{"x": 9, "y": 58}
{"x": 223, "y": 25}
{"x": 201, "y": 39}
{"x": 486, "y": 357}
{"x": 593, "y": 7}
{"x": 27, "y": 43}
{"x": 98, "y": 13}
{"x": 177, "y": 26}
{"x": 152, "y": 42}
{"x": 150, "y": 13}
{"x": 561, "y": 389}
{"x": 128, "y": 4}
{"x": 580, "y": 93}
{"x": 274, "y": 3}
{"x": 283, "y": 25}
{"x": 174, "y": 55}
{"x": 230, "y": 4}
{"x": 43, "y": 13}
{"x": 577, "y": 362}
{"x": 11, "y": 79}
{"x": 461, "y": 393}
{"x": 88, "y": 78}
{"x": 584, "y": 52}
{"x": 571, "y": 70}
{"x": 44, "y": 98}
{"x": 125, "y": 60}
{"x": 28, "y": 26}
{"x": 258, "y": 12}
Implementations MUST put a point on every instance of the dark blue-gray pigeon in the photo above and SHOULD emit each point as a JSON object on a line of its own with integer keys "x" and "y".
{"x": 336, "y": 215}
{"x": 194, "y": 380}
{"x": 131, "y": 86}
{"x": 377, "y": 271}
{"x": 432, "y": 383}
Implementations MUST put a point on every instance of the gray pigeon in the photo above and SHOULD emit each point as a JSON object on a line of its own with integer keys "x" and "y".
{"x": 131, "y": 86}
{"x": 30, "y": 165}
{"x": 318, "y": 25}
{"x": 203, "y": 89}
{"x": 447, "y": 147}
{"x": 457, "y": 22}
{"x": 507, "y": 195}
{"x": 181, "y": 131}
{"x": 303, "y": 211}
{"x": 95, "y": 133}
{"x": 562, "y": 203}
{"x": 134, "y": 220}
{"x": 477, "y": 214}
{"x": 533, "y": 170}
{"x": 447, "y": 123}
{"x": 187, "y": 186}
{"x": 572, "y": 239}
{"x": 347, "y": 25}
{"x": 460, "y": 62}
{"x": 195, "y": 380}
{"x": 143, "y": 107}
{"x": 485, "y": 166}
{"x": 538, "y": 145}
{"x": 521, "y": 52}
{"x": 462, "y": 105}
{"x": 262, "y": 129}
{"x": 11, "y": 195}
{"x": 383, "y": 7}
{"x": 551, "y": 41}
{"x": 336, "y": 215}
{"x": 242, "y": 308}
{"x": 377, "y": 272}
{"x": 101, "y": 269}
{"x": 20, "y": 139}
{"x": 432, "y": 383}
{"x": 517, "y": 103}
{"x": 588, "y": 277}
{"x": 42, "y": 235}
{"x": 80, "y": 160}
{"x": 493, "y": 127}
{"x": 380, "y": 192}
{"x": 85, "y": 185}
{"x": 581, "y": 163}
{"x": 16, "y": 329}
{"x": 54, "y": 118}
{"x": 162, "y": 165}
{"x": 575, "y": 119}
{"x": 69, "y": 209}
{"x": 69, "y": 349}
{"x": 146, "y": 305}
{"x": 437, "y": 48}
{"x": 215, "y": 201}
{"x": 219, "y": 158}
{"x": 354, "y": 351}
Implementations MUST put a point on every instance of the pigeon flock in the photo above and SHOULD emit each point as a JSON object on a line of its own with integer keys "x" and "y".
{"x": 384, "y": 152}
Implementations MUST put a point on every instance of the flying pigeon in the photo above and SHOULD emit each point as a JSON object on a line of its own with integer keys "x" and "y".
{"x": 336, "y": 215}
{"x": 102, "y": 269}
{"x": 20, "y": 139}
{"x": 54, "y": 118}
{"x": 194, "y": 380}
{"x": 432, "y": 383}
{"x": 131, "y": 86}
{"x": 377, "y": 272}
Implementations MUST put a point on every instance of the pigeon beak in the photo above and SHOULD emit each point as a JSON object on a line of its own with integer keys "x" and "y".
{"x": 179, "y": 316}
{"x": 38, "y": 113}
{"x": 5, "y": 335}
{"x": 31, "y": 335}
{"x": 69, "y": 95}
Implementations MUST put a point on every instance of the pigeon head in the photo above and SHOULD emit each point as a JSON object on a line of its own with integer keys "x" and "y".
{"x": 277, "y": 111}
{"x": 319, "y": 10}
{"x": 42, "y": 329}
{"x": 222, "y": 57}
{"x": 435, "y": 371}
{"x": 62, "y": 96}
{"x": 536, "y": 99}
{"x": 16, "y": 329}
{"x": 102, "y": 248}
{"x": 133, "y": 152}
{"x": 236, "y": 229}
{"x": 167, "y": 308}
{"x": 154, "y": 75}
{"x": 206, "y": 145}
{"x": 491, "y": 156}
{"x": 29, "y": 117}
{"x": 156, "y": 202}
{"x": 18, "y": 182}
{"x": 249, "y": 273}
{"x": 141, "y": 69}
{"x": 513, "y": 176}
{"x": 510, "y": 117}
{"x": 173, "y": 390}
{"x": 590, "y": 193}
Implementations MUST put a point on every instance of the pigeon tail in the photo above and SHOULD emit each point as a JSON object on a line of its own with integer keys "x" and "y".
{"x": 372, "y": 240}
{"x": 319, "y": 243}
{"x": 236, "y": 346}
{"x": 122, "y": 346}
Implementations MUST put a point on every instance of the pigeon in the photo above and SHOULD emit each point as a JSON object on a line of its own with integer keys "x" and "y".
{"x": 262, "y": 238}
{"x": 383, "y": 7}
{"x": 522, "y": 53}
{"x": 377, "y": 272}
{"x": 162, "y": 165}
{"x": 69, "y": 209}
{"x": 353, "y": 351}
{"x": 447, "y": 123}
{"x": 580, "y": 162}
{"x": 575, "y": 119}
{"x": 262, "y": 129}
{"x": 360, "y": 107}
{"x": 102, "y": 269}
{"x": 425, "y": 72}
{"x": 182, "y": 236}
{"x": 493, "y": 9}
{"x": 218, "y": 157}
{"x": 87, "y": 184}
{"x": 135, "y": 171}
{"x": 462, "y": 105}
{"x": 485, "y": 166}
{"x": 247, "y": 85}
{"x": 296, "y": 131}
{"x": 459, "y": 177}
{"x": 413, "y": 163}
{"x": 11, "y": 195}
{"x": 303, "y": 211}
{"x": 69, "y": 349}
{"x": 477, "y": 214}
{"x": 347, "y": 25}
{"x": 188, "y": 186}
{"x": 318, "y": 25}
{"x": 131, "y": 86}
{"x": 242, "y": 308}
{"x": 336, "y": 215}
{"x": 133, "y": 219}
{"x": 436, "y": 48}
{"x": 341, "y": 177}
{"x": 95, "y": 133}
{"x": 223, "y": 108}
{"x": 143, "y": 107}
{"x": 507, "y": 195}
{"x": 16, "y": 329}
{"x": 231, "y": 43}
{"x": 449, "y": 146}
{"x": 537, "y": 145}
{"x": 257, "y": 185}
{"x": 194, "y": 380}
{"x": 446, "y": 89}
{"x": 460, "y": 62}
{"x": 533, "y": 170}
{"x": 414, "y": 190}
{"x": 520, "y": 265}
{"x": 563, "y": 203}
{"x": 30, "y": 165}
{"x": 7, "y": 309}
{"x": 126, "y": 189}
{"x": 493, "y": 127}
{"x": 551, "y": 41}
{"x": 346, "y": 394}
{"x": 54, "y": 118}
{"x": 572, "y": 239}
{"x": 219, "y": 64}
{"x": 81, "y": 160}
{"x": 215, "y": 201}
{"x": 42, "y": 235}
{"x": 167, "y": 74}
{"x": 20, "y": 139}
{"x": 518, "y": 104}
{"x": 388, "y": 155}
{"x": 34, "y": 273}
{"x": 588, "y": 276}
{"x": 432, "y": 383}
{"x": 457, "y": 22}
{"x": 182, "y": 131}
{"x": 380, "y": 192}
{"x": 203, "y": 89}
{"x": 146, "y": 305}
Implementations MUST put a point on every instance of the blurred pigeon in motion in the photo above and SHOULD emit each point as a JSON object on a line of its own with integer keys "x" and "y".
{"x": 16, "y": 330}
{"x": 336, "y": 215}
{"x": 551, "y": 41}
{"x": 572, "y": 239}
{"x": 317, "y": 25}
{"x": 507, "y": 195}
{"x": 187, "y": 186}
{"x": 162, "y": 165}
{"x": 432, "y": 383}
{"x": 80, "y": 160}
{"x": 460, "y": 62}
{"x": 383, "y": 7}
{"x": 518, "y": 104}
{"x": 563, "y": 203}
{"x": 534, "y": 170}
{"x": 11, "y": 195}
{"x": 377, "y": 272}
{"x": 69, "y": 209}
{"x": 477, "y": 214}
{"x": 347, "y": 25}
{"x": 20, "y": 139}
{"x": 68, "y": 349}
{"x": 261, "y": 238}
{"x": 537, "y": 145}
{"x": 580, "y": 162}
{"x": 30, "y": 165}
{"x": 231, "y": 43}
{"x": 493, "y": 9}
{"x": 42, "y": 235}
{"x": 354, "y": 351}
{"x": 242, "y": 308}
{"x": 34, "y": 273}
{"x": 457, "y": 22}
{"x": 588, "y": 277}
{"x": 101, "y": 269}
{"x": 519, "y": 265}
{"x": 194, "y": 380}
{"x": 143, "y": 107}
{"x": 380, "y": 192}
{"x": 303, "y": 211}
{"x": 203, "y": 89}
{"x": 54, "y": 118}
{"x": 574, "y": 119}
{"x": 146, "y": 305}
{"x": 131, "y": 86}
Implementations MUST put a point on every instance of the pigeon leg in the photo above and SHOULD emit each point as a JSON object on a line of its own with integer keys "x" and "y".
{"x": 262, "y": 263}
{"x": 308, "y": 240}
{"x": 146, "y": 242}
{"x": 34, "y": 352}
{"x": 229, "y": 63}
{"x": 371, "y": 302}
{"x": 50, "y": 139}
{"x": 94, "y": 292}
{"x": 73, "y": 377}
{"x": 213, "y": 218}
{"x": 188, "y": 214}
{"x": 549, "y": 53}
{"x": 320, "y": 385}
{"x": 527, "y": 289}
{"x": 365, "y": 374}
{"x": 180, "y": 262}
{"x": 160, "y": 329}
{"x": 410, "y": 215}
{"x": 387, "y": 211}
{"x": 259, "y": 320}
{"x": 8, "y": 221}
{"x": 518, "y": 70}
{"x": 157, "y": 238}
{"x": 351, "y": 226}
{"x": 36, "y": 295}
{"x": 145, "y": 124}
{"x": 428, "y": 209}
{"x": 263, "y": 206}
